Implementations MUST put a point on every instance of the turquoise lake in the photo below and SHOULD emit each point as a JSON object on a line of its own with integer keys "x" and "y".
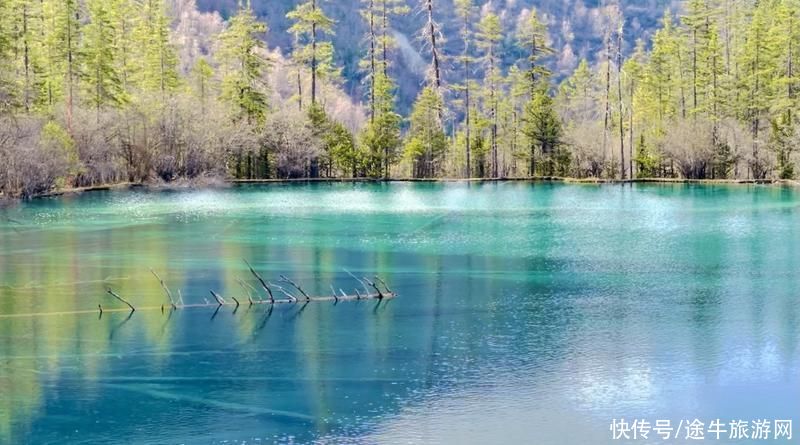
{"x": 527, "y": 313}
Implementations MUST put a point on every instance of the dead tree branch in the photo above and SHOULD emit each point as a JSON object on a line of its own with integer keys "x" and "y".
{"x": 217, "y": 297}
{"x": 285, "y": 292}
{"x": 114, "y": 294}
{"x": 296, "y": 286}
{"x": 261, "y": 280}
{"x": 166, "y": 289}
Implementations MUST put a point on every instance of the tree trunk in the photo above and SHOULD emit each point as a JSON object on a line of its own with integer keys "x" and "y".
{"x": 607, "y": 113}
{"x": 314, "y": 57}
{"x": 621, "y": 105}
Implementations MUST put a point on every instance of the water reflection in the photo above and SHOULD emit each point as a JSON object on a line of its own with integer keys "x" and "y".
{"x": 527, "y": 313}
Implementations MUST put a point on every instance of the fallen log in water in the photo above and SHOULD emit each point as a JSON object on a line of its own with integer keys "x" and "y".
{"x": 375, "y": 293}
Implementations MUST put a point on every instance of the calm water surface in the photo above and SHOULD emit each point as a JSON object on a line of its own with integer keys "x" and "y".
{"x": 527, "y": 313}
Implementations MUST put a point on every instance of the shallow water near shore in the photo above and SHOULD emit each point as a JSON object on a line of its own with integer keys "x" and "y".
{"x": 527, "y": 313}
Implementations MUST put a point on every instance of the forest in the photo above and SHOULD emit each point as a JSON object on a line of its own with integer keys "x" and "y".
{"x": 96, "y": 92}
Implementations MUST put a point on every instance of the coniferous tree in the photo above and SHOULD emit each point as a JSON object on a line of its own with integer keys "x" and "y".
{"x": 381, "y": 136}
{"x": 157, "y": 69}
{"x": 203, "y": 74}
{"x": 243, "y": 86}
{"x": 465, "y": 9}
{"x": 387, "y": 9}
{"x": 244, "y": 66}
{"x": 102, "y": 82}
{"x": 488, "y": 39}
{"x": 533, "y": 37}
{"x": 309, "y": 23}
{"x": 67, "y": 41}
{"x": 543, "y": 127}
{"x": 758, "y": 61}
{"x": 426, "y": 142}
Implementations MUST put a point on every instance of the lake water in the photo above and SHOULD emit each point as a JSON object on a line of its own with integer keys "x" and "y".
{"x": 526, "y": 313}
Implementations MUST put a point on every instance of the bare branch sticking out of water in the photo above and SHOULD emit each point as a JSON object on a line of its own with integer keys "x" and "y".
{"x": 296, "y": 286}
{"x": 335, "y": 297}
{"x": 377, "y": 278}
{"x": 380, "y": 294}
{"x": 114, "y": 294}
{"x": 366, "y": 289}
{"x": 246, "y": 287}
{"x": 217, "y": 297}
{"x": 261, "y": 280}
{"x": 284, "y": 292}
{"x": 166, "y": 289}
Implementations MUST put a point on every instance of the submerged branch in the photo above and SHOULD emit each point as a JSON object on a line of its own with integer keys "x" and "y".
{"x": 115, "y": 295}
{"x": 296, "y": 286}
{"x": 261, "y": 280}
{"x": 166, "y": 289}
{"x": 217, "y": 297}
{"x": 285, "y": 292}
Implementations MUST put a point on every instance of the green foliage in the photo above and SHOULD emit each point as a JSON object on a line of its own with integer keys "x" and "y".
{"x": 726, "y": 74}
{"x": 543, "y": 128}
{"x": 61, "y": 144}
{"x": 310, "y": 22}
{"x": 577, "y": 95}
{"x": 647, "y": 163}
{"x": 203, "y": 74}
{"x": 782, "y": 141}
{"x": 533, "y": 36}
{"x": 158, "y": 61}
{"x": 101, "y": 80}
{"x": 243, "y": 66}
{"x": 426, "y": 142}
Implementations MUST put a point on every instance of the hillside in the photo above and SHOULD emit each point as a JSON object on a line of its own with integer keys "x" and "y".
{"x": 575, "y": 26}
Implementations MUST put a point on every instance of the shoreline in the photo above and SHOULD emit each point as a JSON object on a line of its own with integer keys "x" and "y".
{"x": 537, "y": 179}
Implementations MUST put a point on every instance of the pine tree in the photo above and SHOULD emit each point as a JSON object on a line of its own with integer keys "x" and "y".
{"x": 8, "y": 90}
{"x": 634, "y": 71}
{"x": 243, "y": 87}
{"x": 465, "y": 10}
{"x": 158, "y": 60}
{"x": 67, "y": 41}
{"x": 577, "y": 96}
{"x": 26, "y": 40}
{"x": 426, "y": 141}
{"x": 657, "y": 96}
{"x": 101, "y": 80}
{"x": 123, "y": 19}
{"x": 52, "y": 63}
{"x": 381, "y": 136}
{"x": 533, "y": 37}
{"x": 488, "y": 39}
{"x": 786, "y": 29}
{"x": 243, "y": 66}
{"x": 387, "y": 9}
{"x": 543, "y": 128}
{"x": 697, "y": 22}
{"x": 782, "y": 143}
{"x": 309, "y": 22}
{"x": 203, "y": 74}
{"x": 370, "y": 15}
{"x": 620, "y": 103}
{"x": 758, "y": 62}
